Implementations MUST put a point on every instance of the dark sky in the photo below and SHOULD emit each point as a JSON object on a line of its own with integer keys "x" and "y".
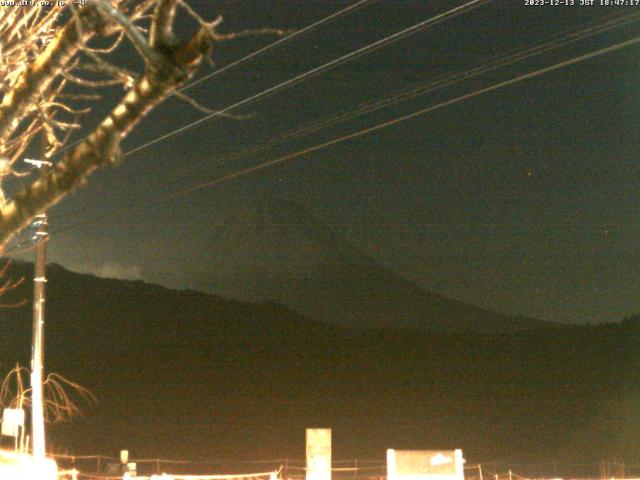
{"x": 522, "y": 200}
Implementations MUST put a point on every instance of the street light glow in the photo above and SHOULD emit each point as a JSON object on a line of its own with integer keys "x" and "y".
{"x": 17, "y": 466}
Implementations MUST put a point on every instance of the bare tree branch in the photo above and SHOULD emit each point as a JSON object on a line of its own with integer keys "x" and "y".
{"x": 102, "y": 146}
{"x": 34, "y": 81}
{"x": 44, "y": 80}
{"x": 198, "y": 106}
{"x": 62, "y": 397}
{"x": 162, "y": 26}
{"x": 131, "y": 30}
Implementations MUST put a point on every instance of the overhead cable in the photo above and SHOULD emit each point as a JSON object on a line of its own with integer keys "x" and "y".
{"x": 360, "y": 133}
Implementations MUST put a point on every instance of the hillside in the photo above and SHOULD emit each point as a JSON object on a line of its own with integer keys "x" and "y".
{"x": 190, "y": 375}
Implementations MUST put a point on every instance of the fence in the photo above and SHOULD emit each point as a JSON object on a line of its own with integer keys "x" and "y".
{"x": 101, "y": 467}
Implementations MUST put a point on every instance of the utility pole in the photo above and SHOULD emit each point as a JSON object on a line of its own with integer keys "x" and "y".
{"x": 37, "y": 345}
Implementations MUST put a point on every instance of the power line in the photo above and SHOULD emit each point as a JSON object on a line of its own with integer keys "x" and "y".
{"x": 360, "y": 133}
{"x": 305, "y": 30}
{"x": 508, "y": 58}
{"x": 423, "y": 25}
{"x": 278, "y": 43}
{"x": 298, "y": 33}
{"x": 404, "y": 118}
{"x": 454, "y": 12}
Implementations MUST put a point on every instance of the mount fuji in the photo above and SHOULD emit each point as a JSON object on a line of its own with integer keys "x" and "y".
{"x": 270, "y": 250}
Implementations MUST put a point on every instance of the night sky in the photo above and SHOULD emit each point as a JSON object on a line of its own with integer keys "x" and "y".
{"x": 522, "y": 200}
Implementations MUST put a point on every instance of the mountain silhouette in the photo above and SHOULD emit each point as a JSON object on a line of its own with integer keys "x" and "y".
{"x": 184, "y": 374}
{"x": 273, "y": 250}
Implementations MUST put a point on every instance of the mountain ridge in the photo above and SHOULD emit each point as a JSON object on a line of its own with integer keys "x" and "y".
{"x": 191, "y": 375}
{"x": 274, "y": 250}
